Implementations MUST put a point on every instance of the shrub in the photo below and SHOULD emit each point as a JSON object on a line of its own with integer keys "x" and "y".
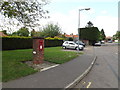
{"x": 55, "y": 38}
{"x": 17, "y": 42}
{"x": 11, "y": 43}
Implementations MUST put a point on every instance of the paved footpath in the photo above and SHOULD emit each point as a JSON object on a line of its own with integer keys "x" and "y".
{"x": 58, "y": 77}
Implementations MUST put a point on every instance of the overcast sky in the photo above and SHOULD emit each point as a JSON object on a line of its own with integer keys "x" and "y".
{"x": 103, "y": 14}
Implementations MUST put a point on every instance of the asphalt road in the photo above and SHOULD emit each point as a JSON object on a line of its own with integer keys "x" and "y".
{"x": 104, "y": 73}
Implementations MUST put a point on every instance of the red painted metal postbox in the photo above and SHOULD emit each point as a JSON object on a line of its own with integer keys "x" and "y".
{"x": 41, "y": 43}
{"x": 38, "y": 50}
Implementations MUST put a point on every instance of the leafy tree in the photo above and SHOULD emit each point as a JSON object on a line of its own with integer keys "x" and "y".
{"x": 33, "y": 32}
{"x": 5, "y": 32}
{"x": 36, "y": 33}
{"x": 102, "y": 35}
{"x": 51, "y": 30}
{"x": 117, "y": 35}
{"x": 23, "y": 32}
{"x": 89, "y": 24}
{"x": 14, "y": 34}
{"x": 27, "y": 12}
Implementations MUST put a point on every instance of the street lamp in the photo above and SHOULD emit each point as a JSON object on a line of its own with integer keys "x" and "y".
{"x": 79, "y": 24}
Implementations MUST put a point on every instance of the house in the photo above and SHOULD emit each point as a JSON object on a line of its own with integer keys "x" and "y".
{"x": 75, "y": 38}
{"x": 2, "y": 34}
{"x": 108, "y": 38}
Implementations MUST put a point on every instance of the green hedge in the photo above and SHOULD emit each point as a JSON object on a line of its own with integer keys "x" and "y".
{"x": 12, "y": 43}
{"x": 92, "y": 34}
{"x": 53, "y": 43}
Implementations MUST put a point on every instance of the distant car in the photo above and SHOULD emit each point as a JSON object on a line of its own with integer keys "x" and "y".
{"x": 110, "y": 41}
{"x": 72, "y": 45}
{"x": 116, "y": 41}
{"x": 102, "y": 42}
{"x": 81, "y": 43}
{"x": 97, "y": 44}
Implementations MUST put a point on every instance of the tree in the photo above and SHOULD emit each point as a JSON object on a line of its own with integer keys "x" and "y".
{"x": 117, "y": 36}
{"x": 36, "y": 33}
{"x": 14, "y": 34}
{"x": 23, "y": 32}
{"x": 51, "y": 30}
{"x": 33, "y": 32}
{"x": 89, "y": 24}
{"x": 5, "y": 32}
{"x": 102, "y": 35}
{"x": 27, "y": 12}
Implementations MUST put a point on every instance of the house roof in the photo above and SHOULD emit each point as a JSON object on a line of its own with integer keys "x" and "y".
{"x": 2, "y": 34}
{"x": 108, "y": 37}
{"x": 75, "y": 35}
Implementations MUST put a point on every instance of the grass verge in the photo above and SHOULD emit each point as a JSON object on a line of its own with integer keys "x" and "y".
{"x": 13, "y": 68}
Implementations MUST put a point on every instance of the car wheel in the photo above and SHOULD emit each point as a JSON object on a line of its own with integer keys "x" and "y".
{"x": 76, "y": 48}
{"x": 64, "y": 47}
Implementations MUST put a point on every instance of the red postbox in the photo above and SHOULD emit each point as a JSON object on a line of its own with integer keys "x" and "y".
{"x": 41, "y": 45}
{"x": 38, "y": 50}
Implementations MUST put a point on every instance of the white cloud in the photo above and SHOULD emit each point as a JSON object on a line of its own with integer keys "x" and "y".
{"x": 104, "y": 12}
{"x": 69, "y": 21}
{"x": 108, "y": 23}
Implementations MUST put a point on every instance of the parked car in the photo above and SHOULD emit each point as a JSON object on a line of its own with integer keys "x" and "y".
{"x": 80, "y": 43}
{"x": 97, "y": 44}
{"x": 102, "y": 42}
{"x": 72, "y": 45}
{"x": 110, "y": 41}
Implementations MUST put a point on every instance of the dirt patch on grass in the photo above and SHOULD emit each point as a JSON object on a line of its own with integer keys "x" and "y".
{"x": 41, "y": 67}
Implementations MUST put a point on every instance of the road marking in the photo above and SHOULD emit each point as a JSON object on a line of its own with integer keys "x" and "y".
{"x": 89, "y": 83}
{"x": 50, "y": 67}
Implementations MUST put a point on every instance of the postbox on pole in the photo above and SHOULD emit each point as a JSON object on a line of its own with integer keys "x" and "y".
{"x": 38, "y": 50}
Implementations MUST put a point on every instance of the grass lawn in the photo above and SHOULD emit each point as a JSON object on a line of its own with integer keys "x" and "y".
{"x": 13, "y": 68}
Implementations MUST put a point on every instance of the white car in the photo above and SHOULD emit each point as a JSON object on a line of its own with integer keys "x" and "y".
{"x": 97, "y": 44}
{"x": 72, "y": 45}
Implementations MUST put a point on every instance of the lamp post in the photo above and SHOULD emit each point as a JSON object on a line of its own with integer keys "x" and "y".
{"x": 79, "y": 24}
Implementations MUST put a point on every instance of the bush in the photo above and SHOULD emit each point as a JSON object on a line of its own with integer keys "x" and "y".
{"x": 70, "y": 39}
{"x": 12, "y": 43}
{"x": 55, "y": 38}
{"x": 53, "y": 43}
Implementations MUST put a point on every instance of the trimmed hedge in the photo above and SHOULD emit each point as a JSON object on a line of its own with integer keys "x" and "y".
{"x": 53, "y": 43}
{"x": 92, "y": 34}
{"x": 12, "y": 43}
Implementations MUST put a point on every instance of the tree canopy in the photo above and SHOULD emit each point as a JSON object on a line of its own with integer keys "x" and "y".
{"x": 27, "y": 12}
{"x": 89, "y": 24}
{"x": 117, "y": 36}
{"x": 102, "y": 35}
{"x": 21, "y": 32}
{"x": 51, "y": 30}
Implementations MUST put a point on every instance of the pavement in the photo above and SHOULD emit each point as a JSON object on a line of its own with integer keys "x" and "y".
{"x": 63, "y": 76}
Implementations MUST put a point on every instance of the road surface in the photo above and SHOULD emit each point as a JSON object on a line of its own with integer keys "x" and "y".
{"x": 104, "y": 73}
